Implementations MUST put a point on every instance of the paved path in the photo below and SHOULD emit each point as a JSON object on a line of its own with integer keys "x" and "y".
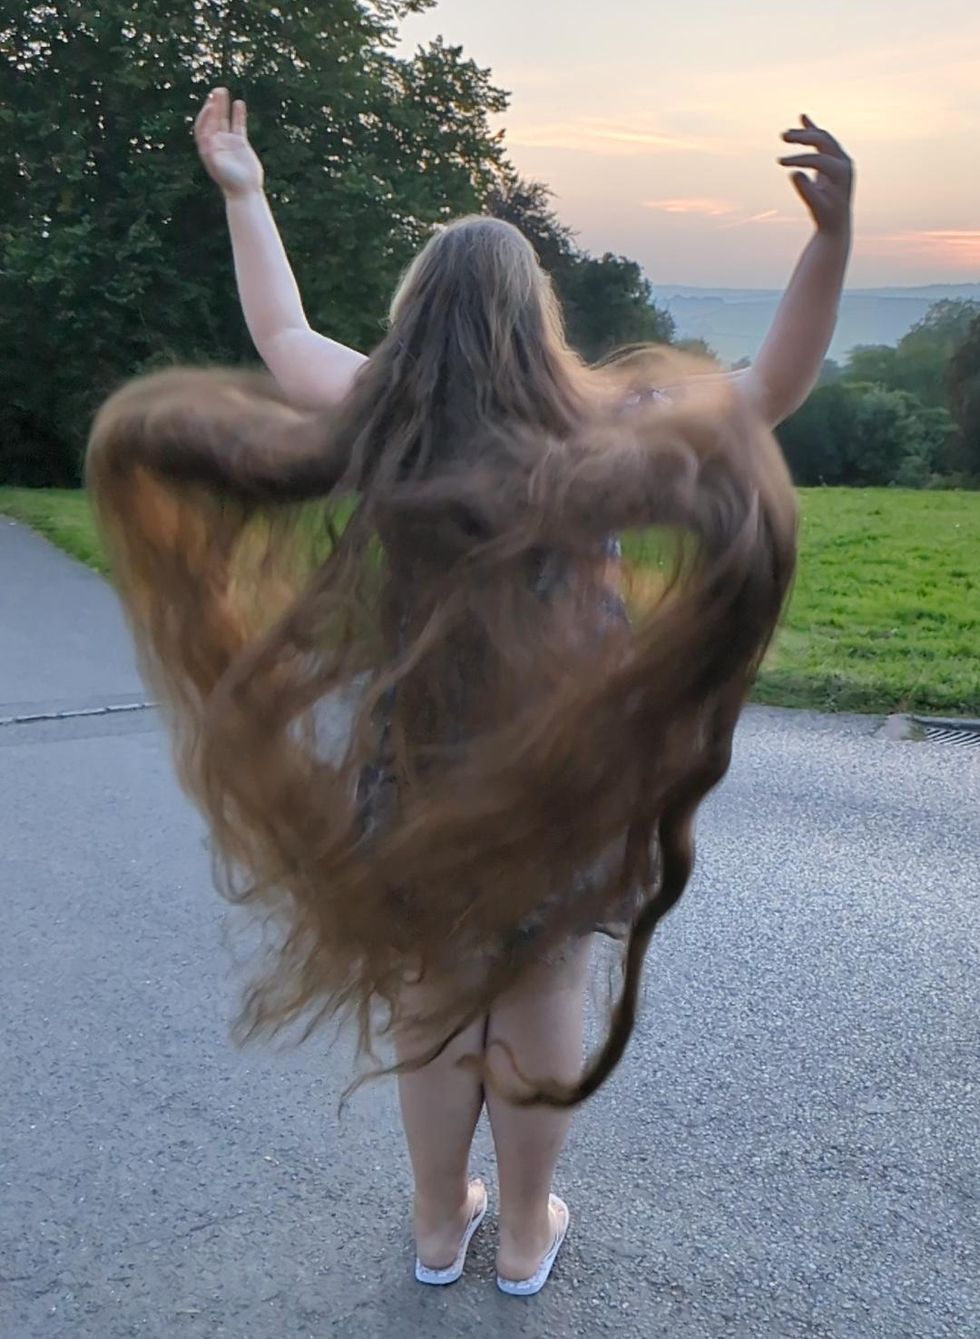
{"x": 62, "y": 638}
{"x": 790, "y": 1149}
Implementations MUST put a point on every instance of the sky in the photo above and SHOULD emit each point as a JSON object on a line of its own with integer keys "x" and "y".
{"x": 657, "y": 126}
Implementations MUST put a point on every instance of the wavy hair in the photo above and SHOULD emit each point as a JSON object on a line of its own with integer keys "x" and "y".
{"x": 313, "y": 593}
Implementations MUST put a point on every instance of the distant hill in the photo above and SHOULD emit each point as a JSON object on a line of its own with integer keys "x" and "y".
{"x": 735, "y": 320}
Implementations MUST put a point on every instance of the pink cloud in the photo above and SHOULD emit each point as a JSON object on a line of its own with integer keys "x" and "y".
{"x": 766, "y": 216}
{"x": 708, "y": 207}
{"x": 692, "y": 205}
{"x": 608, "y": 137}
{"x": 956, "y": 246}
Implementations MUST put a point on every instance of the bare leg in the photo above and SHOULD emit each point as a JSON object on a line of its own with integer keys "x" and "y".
{"x": 542, "y": 1022}
{"x": 440, "y": 1107}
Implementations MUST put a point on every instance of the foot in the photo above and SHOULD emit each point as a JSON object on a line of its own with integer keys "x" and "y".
{"x": 438, "y": 1238}
{"x": 524, "y": 1260}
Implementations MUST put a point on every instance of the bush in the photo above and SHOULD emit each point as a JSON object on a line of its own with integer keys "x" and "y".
{"x": 859, "y": 434}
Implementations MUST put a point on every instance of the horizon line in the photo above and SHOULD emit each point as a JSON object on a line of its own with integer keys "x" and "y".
{"x": 779, "y": 289}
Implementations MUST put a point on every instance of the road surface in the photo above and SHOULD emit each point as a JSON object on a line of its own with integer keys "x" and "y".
{"x": 790, "y": 1148}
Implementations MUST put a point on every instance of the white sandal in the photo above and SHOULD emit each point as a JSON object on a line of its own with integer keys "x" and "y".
{"x": 528, "y": 1287}
{"x": 438, "y": 1278}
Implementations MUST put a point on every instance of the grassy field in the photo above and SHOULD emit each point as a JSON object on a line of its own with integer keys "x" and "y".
{"x": 885, "y": 616}
{"x": 64, "y": 517}
{"x": 886, "y": 611}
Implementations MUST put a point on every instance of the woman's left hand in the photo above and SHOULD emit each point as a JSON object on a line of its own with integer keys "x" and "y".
{"x": 828, "y": 194}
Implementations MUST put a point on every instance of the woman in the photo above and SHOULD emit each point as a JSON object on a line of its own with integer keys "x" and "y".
{"x": 521, "y": 767}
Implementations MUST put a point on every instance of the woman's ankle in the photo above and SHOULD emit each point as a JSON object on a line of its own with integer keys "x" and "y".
{"x": 525, "y": 1238}
{"x": 440, "y": 1225}
{"x": 437, "y": 1206}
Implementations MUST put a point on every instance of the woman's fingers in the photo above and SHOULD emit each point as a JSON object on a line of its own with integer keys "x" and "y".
{"x": 816, "y": 138}
{"x": 827, "y": 192}
{"x": 204, "y": 118}
{"x": 220, "y": 118}
{"x": 835, "y": 169}
{"x": 807, "y": 190}
{"x": 219, "y": 114}
{"x": 220, "y": 108}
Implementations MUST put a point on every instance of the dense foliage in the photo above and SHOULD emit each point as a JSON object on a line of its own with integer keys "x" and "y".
{"x": 908, "y": 415}
{"x": 114, "y": 255}
{"x": 113, "y": 252}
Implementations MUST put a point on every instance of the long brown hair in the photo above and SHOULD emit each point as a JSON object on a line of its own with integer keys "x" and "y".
{"x": 310, "y": 592}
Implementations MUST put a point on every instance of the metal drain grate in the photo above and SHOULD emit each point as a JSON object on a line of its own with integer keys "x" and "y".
{"x": 965, "y": 735}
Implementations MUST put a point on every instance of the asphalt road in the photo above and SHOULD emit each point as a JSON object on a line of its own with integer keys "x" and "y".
{"x": 789, "y": 1150}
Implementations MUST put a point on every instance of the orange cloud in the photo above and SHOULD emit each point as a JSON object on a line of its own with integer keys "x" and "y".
{"x": 958, "y": 246}
{"x": 767, "y": 216}
{"x": 609, "y": 138}
{"x": 710, "y": 208}
{"x": 692, "y": 205}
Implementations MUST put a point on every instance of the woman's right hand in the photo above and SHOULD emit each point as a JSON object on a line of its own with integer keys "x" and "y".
{"x": 222, "y": 142}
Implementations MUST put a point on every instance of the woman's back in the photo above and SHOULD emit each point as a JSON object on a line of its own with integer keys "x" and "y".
{"x": 519, "y": 729}
{"x": 524, "y": 764}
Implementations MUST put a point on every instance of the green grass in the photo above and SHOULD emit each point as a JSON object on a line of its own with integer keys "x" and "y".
{"x": 886, "y": 611}
{"x": 64, "y": 517}
{"x": 885, "y": 616}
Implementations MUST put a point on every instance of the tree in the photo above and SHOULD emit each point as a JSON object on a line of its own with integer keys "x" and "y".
{"x": 527, "y": 205}
{"x": 853, "y": 434}
{"x": 928, "y": 457}
{"x": 113, "y": 249}
{"x": 816, "y": 439}
{"x": 608, "y": 301}
{"x": 932, "y": 365}
{"x": 873, "y": 364}
{"x": 923, "y": 355}
{"x": 113, "y": 252}
{"x": 964, "y": 396}
{"x": 919, "y": 363}
{"x": 889, "y": 442}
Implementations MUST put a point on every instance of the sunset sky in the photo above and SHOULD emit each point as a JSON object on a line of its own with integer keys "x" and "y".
{"x": 657, "y": 125}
